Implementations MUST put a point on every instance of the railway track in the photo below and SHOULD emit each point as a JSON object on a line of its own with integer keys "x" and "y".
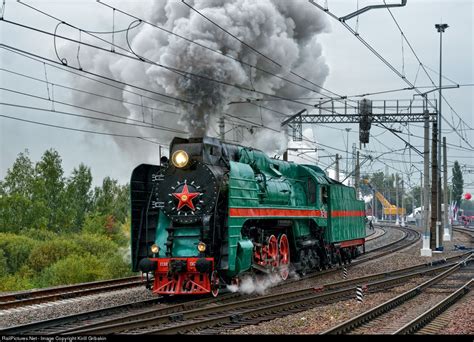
{"x": 232, "y": 309}
{"x": 377, "y": 232}
{"x": 409, "y": 238}
{"x": 387, "y": 317}
{"x": 102, "y": 315}
{"x": 430, "y": 321}
{"x": 466, "y": 231}
{"x": 24, "y": 298}
{"x": 18, "y": 299}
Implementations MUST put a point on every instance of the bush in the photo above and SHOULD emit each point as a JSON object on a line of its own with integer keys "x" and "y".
{"x": 16, "y": 249}
{"x": 15, "y": 283}
{"x": 48, "y": 252}
{"x": 40, "y": 234}
{"x": 107, "y": 225}
{"x": 3, "y": 264}
{"x": 21, "y": 280}
{"x": 75, "y": 269}
{"x": 116, "y": 265}
{"x": 95, "y": 244}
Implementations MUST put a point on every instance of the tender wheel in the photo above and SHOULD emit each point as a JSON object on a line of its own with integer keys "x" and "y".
{"x": 214, "y": 284}
{"x": 284, "y": 252}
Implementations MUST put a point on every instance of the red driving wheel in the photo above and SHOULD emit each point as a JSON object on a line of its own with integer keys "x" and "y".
{"x": 273, "y": 250}
{"x": 214, "y": 284}
{"x": 284, "y": 251}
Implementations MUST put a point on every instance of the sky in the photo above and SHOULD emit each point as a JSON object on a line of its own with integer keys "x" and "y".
{"x": 351, "y": 70}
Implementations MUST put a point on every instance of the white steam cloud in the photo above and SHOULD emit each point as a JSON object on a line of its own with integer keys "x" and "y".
{"x": 285, "y": 31}
{"x": 259, "y": 284}
{"x": 256, "y": 285}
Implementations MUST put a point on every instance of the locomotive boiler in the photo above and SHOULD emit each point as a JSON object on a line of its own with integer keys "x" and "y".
{"x": 214, "y": 212}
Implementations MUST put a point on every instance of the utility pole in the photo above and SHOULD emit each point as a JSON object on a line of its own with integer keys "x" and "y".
{"x": 440, "y": 28}
{"x": 426, "y": 250}
{"x": 397, "y": 221}
{"x": 354, "y": 149}
{"x": 434, "y": 238}
{"x": 403, "y": 205}
{"x": 357, "y": 175}
{"x": 337, "y": 167}
{"x": 422, "y": 218}
{"x": 347, "y": 151}
{"x": 374, "y": 207}
{"x": 447, "y": 233}
{"x": 385, "y": 186}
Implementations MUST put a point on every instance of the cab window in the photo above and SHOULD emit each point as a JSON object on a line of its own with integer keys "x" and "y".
{"x": 324, "y": 194}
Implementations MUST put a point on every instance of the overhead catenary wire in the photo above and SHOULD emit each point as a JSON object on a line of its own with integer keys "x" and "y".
{"x": 142, "y": 59}
{"x": 84, "y": 130}
{"x": 60, "y": 112}
{"x": 81, "y": 73}
{"x": 390, "y": 66}
{"x": 263, "y": 126}
{"x": 423, "y": 65}
{"x": 58, "y": 65}
{"x": 89, "y": 93}
{"x": 269, "y": 128}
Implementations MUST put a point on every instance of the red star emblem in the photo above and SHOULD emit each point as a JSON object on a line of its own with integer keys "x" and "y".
{"x": 186, "y": 198}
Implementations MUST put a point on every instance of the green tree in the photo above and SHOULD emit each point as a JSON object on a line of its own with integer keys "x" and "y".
{"x": 458, "y": 184}
{"x": 56, "y": 230}
{"x": 412, "y": 199}
{"x": 49, "y": 192}
{"x": 19, "y": 179}
{"x": 16, "y": 213}
{"x": 16, "y": 208}
{"x": 79, "y": 194}
{"x": 112, "y": 199}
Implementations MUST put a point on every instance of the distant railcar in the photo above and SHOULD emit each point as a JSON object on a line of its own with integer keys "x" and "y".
{"x": 216, "y": 211}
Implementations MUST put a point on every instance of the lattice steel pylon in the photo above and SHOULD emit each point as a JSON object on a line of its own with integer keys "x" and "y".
{"x": 363, "y": 112}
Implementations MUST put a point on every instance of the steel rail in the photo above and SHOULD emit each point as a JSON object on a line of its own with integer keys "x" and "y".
{"x": 61, "y": 322}
{"x": 392, "y": 303}
{"x": 17, "y": 299}
{"x": 232, "y": 311}
{"x": 425, "y": 318}
{"x": 36, "y": 326}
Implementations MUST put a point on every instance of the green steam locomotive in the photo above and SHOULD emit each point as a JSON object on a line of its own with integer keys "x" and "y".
{"x": 215, "y": 212}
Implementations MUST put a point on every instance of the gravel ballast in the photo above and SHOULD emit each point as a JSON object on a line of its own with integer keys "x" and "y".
{"x": 307, "y": 322}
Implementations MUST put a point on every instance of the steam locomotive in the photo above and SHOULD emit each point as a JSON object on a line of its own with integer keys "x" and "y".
{"x": 217, "y": 211}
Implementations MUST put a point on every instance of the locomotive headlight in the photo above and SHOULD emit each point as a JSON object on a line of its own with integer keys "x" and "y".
{"x": 180, "y": 159}
{"x": 155, "y": 249}
{"x": 201, "y": 247}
